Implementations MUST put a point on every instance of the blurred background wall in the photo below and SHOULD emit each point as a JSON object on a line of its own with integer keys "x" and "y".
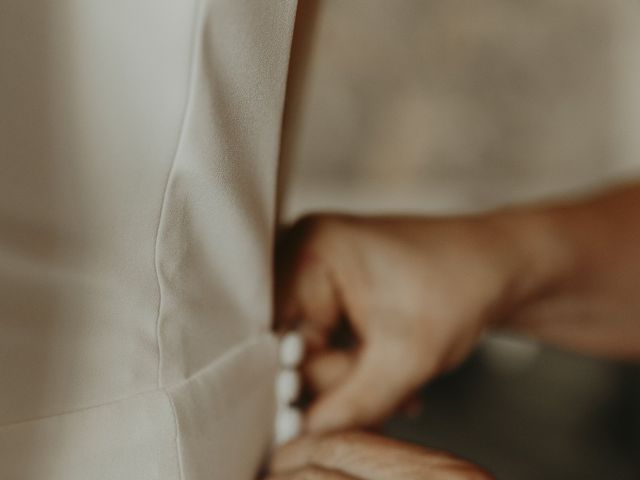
{"x": 449, "y": 106}
{"x": 460, "y": 104}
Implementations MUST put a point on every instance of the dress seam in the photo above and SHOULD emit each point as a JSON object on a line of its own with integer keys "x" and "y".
{"x": 176, "y": 424}
{"x": 219, "y": 362}
{"x": 163, "y": 207}
{"x": 164, "y": 201}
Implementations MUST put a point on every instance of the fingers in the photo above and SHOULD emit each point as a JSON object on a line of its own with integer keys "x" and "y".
{"x": 327, "y": 369}
{"x": 372, "y": 457}
{"x": 311, "y": 473}
{"x": 305, "y": 292}
{"x": 357, "y": 387}
{"x": 373, "y": 389}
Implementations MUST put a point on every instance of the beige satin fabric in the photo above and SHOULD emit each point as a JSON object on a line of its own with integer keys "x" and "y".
{"x": 138, "y": 150}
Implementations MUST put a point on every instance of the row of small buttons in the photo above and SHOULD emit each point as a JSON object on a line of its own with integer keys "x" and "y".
{"x": 288, "y": 386}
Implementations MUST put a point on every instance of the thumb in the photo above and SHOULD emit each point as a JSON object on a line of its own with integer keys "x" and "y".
{"x": 375, "y": 387}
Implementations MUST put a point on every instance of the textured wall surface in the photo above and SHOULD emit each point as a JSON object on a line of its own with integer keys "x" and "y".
{"x": 456, "y": 105}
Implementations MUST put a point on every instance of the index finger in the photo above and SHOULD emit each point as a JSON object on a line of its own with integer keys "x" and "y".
{"x": 306, "y": 297}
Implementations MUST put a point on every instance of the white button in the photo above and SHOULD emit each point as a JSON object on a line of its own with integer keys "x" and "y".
{"x": 288, "y": 425}
{"x": 291, "y": 350}
{"x": 287, "y": 386}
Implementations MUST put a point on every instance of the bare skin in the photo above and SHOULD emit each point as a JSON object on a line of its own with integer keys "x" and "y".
{"x": 420, "y": 292}
{"x": 362, "y": 456}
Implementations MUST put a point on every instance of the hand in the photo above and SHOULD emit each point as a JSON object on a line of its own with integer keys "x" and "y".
{"x": 361, "y": 456}
{"x": 418, "y": 293}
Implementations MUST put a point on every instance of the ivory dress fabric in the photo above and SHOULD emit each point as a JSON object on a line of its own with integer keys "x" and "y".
{"x": 138, "y": 150}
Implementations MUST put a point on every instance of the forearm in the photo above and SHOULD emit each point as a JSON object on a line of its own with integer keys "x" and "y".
{"x": 579, "y": 280}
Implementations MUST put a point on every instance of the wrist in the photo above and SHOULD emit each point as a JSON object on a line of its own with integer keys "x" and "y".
{"x": 540, "y": 257}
